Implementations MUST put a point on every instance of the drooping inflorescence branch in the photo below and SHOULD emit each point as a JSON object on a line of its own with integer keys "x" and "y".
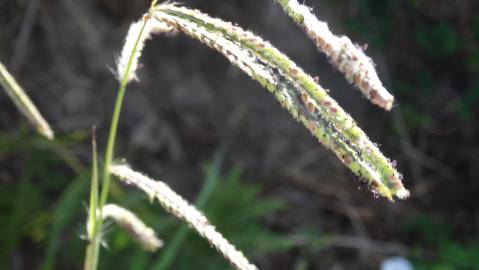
{"x": 138, "y": 33}
{"x": 143, "y": 234}
{"x": 179, "y": 207}
{"x": 24, "y": 104}
{"x": 298, "y": 92}
{"x": 346, "y": 56}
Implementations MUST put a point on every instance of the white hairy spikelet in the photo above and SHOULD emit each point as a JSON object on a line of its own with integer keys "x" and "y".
{"x": 176, "y": 205}
{"x": 149, "y": 27}
{"x": 133, "y": 225}
{"x": 345, "y": 55}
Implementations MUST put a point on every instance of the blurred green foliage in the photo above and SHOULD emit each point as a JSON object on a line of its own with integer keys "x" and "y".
{"x": 439, "y": 40}
{"x": 433, "y": 46}
{"x": 26, "y": 202}
{"x": 43, "y": 214}
{"x": 436, "y": 249}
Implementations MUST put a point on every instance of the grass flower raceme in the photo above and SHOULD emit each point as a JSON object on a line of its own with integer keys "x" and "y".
{"x": 179, "y": 207}
{"x": 297, "y": 91}
{"x": 346, "y": 56}
{"x": 133, "y": 225}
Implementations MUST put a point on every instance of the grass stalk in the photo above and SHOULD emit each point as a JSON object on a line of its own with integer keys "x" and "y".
{"x": 92, "y": 210}
{"x": 93, "y": 188}
{"x": 93, "y": 248}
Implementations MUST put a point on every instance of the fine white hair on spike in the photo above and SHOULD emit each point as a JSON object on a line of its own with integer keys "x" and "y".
{"x": 133, "y": 38}
{"x": 176, "y": 205}
{"x": 133, "y": 225}
{"x": 403, "y": 194}
{"x": 348, "y": 57}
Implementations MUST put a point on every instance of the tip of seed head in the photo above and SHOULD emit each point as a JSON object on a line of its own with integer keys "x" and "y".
{"x": 47, "y": 132}
{"x": 403, "y": 194}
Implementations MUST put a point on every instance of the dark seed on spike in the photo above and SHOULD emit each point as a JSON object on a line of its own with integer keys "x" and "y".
{"x": 304, "y": 98}
{"x": 310, "y": 107}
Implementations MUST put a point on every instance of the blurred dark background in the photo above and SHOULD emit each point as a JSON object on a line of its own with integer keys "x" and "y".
{"x": 194, "y": 118}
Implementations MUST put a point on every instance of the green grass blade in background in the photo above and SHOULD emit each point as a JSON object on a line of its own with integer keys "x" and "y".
{"x": 66, "y": 212}
{"x": 24, "y": 104}
{"x": 15, "y": 218}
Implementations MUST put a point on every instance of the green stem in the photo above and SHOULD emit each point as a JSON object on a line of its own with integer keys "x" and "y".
{"x": 92, "y": 220}
{"x": 93, "y": 249}
{"x": 94, "y": 187}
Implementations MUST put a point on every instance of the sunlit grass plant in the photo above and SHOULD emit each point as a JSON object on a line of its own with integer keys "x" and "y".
{"x": 296, "y": 91}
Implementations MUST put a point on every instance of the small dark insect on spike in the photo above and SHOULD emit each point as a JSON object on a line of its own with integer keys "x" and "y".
{"x": 373, "y": 94}
{"x": 316, "y": 79}
{"x": 362, "y": 184}
{"x": 374, "y": 185}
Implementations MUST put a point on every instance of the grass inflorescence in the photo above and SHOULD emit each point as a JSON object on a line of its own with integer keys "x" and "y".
{"x": 179, "y": 207}
{"x": 299, "y": 93}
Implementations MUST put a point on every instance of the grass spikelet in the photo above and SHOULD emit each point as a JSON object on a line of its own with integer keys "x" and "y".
{"x": 176, "y": 205}
{"x": 24, "y": 104}
{"x": 349, "y": 58}
{"x": 297, "y": 91}
{"x": 133, "y": 226}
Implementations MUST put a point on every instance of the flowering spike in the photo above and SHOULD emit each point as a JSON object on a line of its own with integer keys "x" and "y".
{"x": 176, "y": 205}
{"x": 141, "y": 31}
{"x": 281, "y": 76}
{"x": 349, "y": 58}
{"x": 133, "y": 225}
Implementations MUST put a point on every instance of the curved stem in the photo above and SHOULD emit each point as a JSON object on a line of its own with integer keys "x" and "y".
{"x": 93, "y": 249}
